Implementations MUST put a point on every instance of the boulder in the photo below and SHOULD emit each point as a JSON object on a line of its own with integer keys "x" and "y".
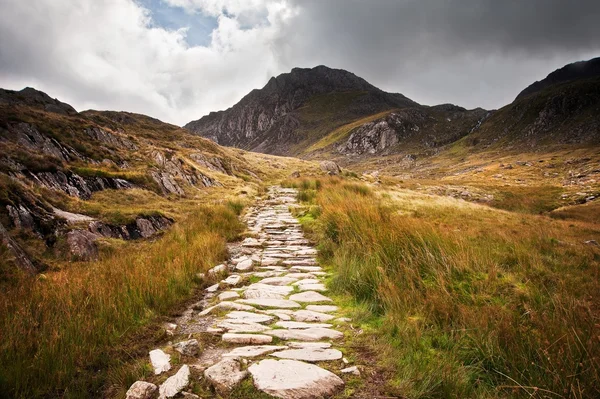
{"x": 330, "y": 167}
{"x": 225, "y": 375}
{"x": 142, "y": 390}
{"x": 187, "y": 348}
{"x": 176, "y": 383}
{"x": 82, "y": 245}
{"x": 160, "y": 361}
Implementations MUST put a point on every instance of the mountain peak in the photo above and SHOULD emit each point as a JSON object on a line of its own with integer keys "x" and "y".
{"x": 35, "y": 98}
{"x": 570, "y": 72}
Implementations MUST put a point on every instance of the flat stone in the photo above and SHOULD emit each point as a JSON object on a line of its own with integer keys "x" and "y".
{"x": 142, "y": 390}
{"x": 306, "y": 252}
{"x": 176, "y": 383}
{"x": 310, "y": 296}
{"x": 295, "y": 325}
{"x": 271, "y": 303}
{"x": 227, "y": 295}
{"x": 300, "y": 345}
{"x": 259, "y": 290}
{"x": 300, "y": 275}
{"x": 247, "y": 339}
{"x": 269, "y": 262}
{"x": 277, "y": 280}
{"x": 160, "y": 361}
{"x": 291, "y": 379}
{"x": 226, "y": 305}
{"x": 310, "y": 269}
{"x": 307, "y": 281}
{"x": 313, "y": 287}
{"x": 269, "y": 274}
{"x": 254, "y": 350}
{"x": 309, "y": 315}
{"x": 251, "y": 242}
{"x": 244, "y": 265}
{"x": 249, "y": 316}
{"x": 187, "y": 348}
{"x": 234, "y": 280}
{"x": 239, "y": 326}
{"x": 213, "y": 288}
{"x": 322, "y": 308}
{"x": 309, "y": 354}
{"x": 309, "y": 334}
{"x": 225, "y": 375}
{"x": 237, "y": 260}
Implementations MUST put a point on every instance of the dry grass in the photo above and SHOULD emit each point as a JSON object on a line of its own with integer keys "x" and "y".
{"x": 471, "y": 301}
{"x": 57, "y": 331}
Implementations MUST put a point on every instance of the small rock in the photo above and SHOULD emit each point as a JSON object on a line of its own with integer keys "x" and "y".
{"x": 271, "y": 303}
{"x": 330, "y": 167}
{"x": 244, "y": 265}
{"x": 225, "y": 375}
{"x": 213, "y": 288}
{"x": 142, "y": 390}
{"x": 233, "y": 280}
{"x": 187, "y": 348}
{"x": 350, "y": 370}
{"x": 217, "y": 270}
{"x": 322, "y": 308}
{"x": 176, "y": 383}
{"x": 160, "y": 361}
{"x": 591, "y": 242}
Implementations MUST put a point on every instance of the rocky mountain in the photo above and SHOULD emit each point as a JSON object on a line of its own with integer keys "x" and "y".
{"x": 64, "y": 176}
{"x": 326, "y": 113}
{"x": 292, "y": 106}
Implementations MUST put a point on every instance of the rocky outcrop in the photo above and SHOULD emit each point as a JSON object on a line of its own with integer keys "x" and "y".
{"x": 75, "y": 185}
{"x": 111, "y": 138}
{"x": 142, "y": 227}
{"x": 82, "y": 245}
{"x": 20, "y": 257}
{"x": 172, "y": 167}
{"x": 212, "y": 163}
{"x": 29, "y": 136}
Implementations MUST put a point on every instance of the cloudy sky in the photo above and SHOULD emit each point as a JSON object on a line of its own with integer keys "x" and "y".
{"x": 180, "y": 59}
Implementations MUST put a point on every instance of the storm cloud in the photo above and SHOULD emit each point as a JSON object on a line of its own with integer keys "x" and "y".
{"x": 115, "y": 54}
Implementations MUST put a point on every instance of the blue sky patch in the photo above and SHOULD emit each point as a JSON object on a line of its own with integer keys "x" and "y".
{"x": 172, "y": 18}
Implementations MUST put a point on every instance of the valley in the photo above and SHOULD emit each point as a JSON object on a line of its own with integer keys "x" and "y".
{"x": 459, "y": 247}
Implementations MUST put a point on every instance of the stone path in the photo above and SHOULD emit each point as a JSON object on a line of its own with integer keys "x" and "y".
{"x": 271, "y": 313}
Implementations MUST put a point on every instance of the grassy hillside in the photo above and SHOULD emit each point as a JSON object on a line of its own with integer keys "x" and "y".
{"x": 463, "y": 300}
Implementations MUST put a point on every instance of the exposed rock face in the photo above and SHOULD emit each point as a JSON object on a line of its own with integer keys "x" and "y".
{"x": 142, "y": 227}
{"x": 213, "y": 163}
{"x": 82, "y": 245}
{"x": 424, "y": 127}
{"x": 111, "y": 138}
{"x": 75, "y": 185}
{"x": 171, "y": 167}
{"x": 20, "y": 256}
{"x": 30, "y": 137}
{"x": 265, "y": 120}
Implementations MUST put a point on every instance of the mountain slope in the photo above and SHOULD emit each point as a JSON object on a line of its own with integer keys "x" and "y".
{"x": 68, "y": 179}
{"x": 284, "y": 113}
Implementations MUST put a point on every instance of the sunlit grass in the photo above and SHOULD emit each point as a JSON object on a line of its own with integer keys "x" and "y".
{"x": 470, "y": 301}
{"x": 57, "y": 330}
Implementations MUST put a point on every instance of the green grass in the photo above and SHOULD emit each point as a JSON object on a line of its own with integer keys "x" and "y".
{"x": 467, "y": 301}
{"x": 58, "y": 332}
